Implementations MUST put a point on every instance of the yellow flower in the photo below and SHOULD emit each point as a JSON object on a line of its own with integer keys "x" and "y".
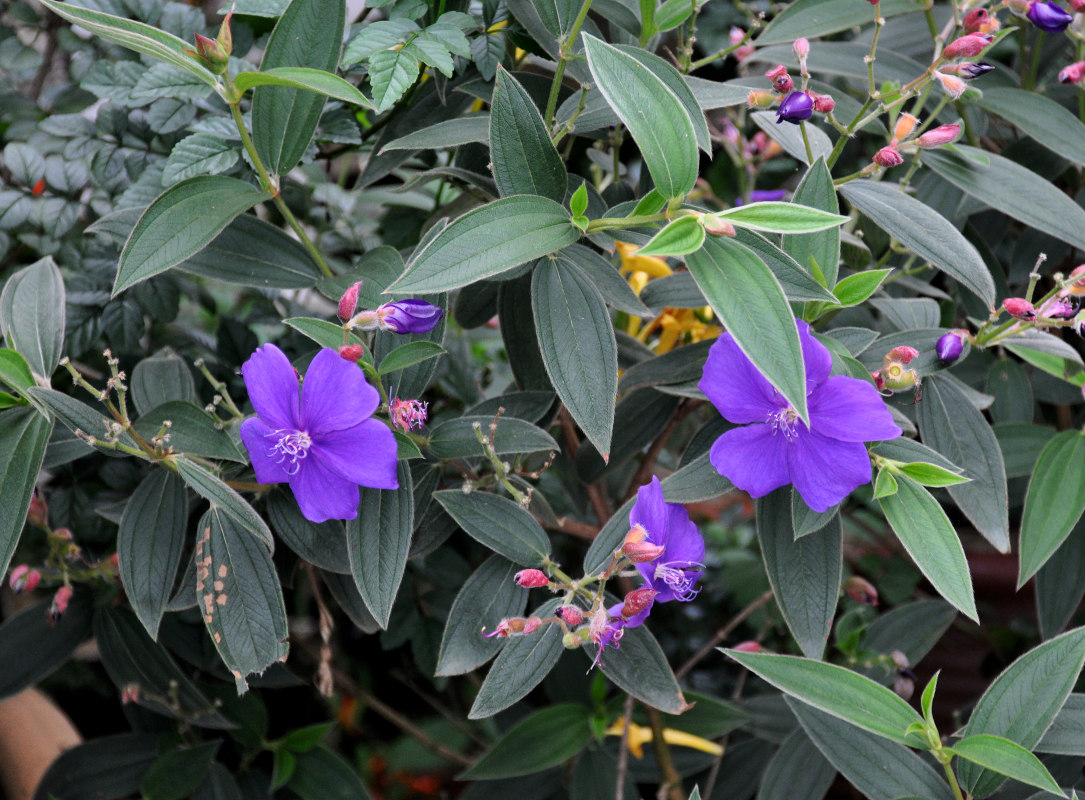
{"x": 652, "y": 266}
{"x": 639, "y": 736}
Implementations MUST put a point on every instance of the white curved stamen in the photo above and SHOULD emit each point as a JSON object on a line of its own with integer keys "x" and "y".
{"x": 676, "y": 575}
{"x": 784, "y": 421}
{"x": 289, "y": 449}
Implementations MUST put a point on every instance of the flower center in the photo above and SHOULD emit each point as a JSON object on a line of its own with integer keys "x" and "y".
{"x": 680, "y": 577}
{"x": 784, "y": 421}
{"x": 289, "y": 449}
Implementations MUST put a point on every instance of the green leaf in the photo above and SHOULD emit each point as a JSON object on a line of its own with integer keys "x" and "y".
{"x": 790, "y": 138}
{"x": 198, "y": 154}
{"x": 578, "y": 203}
{"x": 677, "y": 238}
{"x": 823, "y": 249}
{"x": 32, "y": 315}
{"x": 563, "y": 728}
{"x": 110, "y": 766}
{"x": 798, "y": 762}
{"x": 134, "y": 35}
{"x": 885, "y": 484}
{"x": 1040, "y": 117}
{"x": 220, "y": 495}
{"x": 640, "y": 668}
{"x": 776, "y": 217}
{"x": 315, "y": 80}
{"x": 487, "y": 241}
{"x": 499, "y": 524}
{"x": 815, "y": 18}
{"x": 456, "y": 438}
{"x": 1050, "y": 510}
{"x": 76, "y": 415}
{"x": 178, "y": 773}
{"x": 931, "y": 474}
{"x": 576, "y": 338}
{"x": 323, "y": 544}
{"x": 1006, "y": 758}
{"x": 696, "y": 481}
{"x": 32, "y": 647}
{"x": 614, "y": 288}
{"x": 654, "y": 115}
{"x": 378, "y": 542}
{"x": 524, "y": 159}
{"x": 391, "y": 74}
{"x": 444, "y": 135}
{"x": 520, "y": 666}
{"x": 835, "y": 690}
{"x": 1034, "y": 200}
{"x": 193, "y": 431}
{"x": 950, "y": 424}
{"x": 180, "y": 222}
{"x": 23, "y": 435}
{"x": 150, "y": 541}
{"x": 1066, "y": 736}
{"x": 14, "y": 371}
{"x": 488, "y": 596}
{"x": 876, "y": 767}
{"x": 913, "y": 628}
{"x": 1060, "y": 584}
{"x": 320, "y": 774}
{"x": 751, "y": 304}
{"x": 804, "y": 573}
{"x": 308, "y": 34}
{"x": 797, "y": 283}
{"x": 408, "y": 355}
{"x": 239, "y": 596}
{"x": 854, "y": 289}
{"x": 159, "y": 379}
{"x": 927, "y": 534}
{"x": 1022, "y": 702}
{"x": 924, "y": 231}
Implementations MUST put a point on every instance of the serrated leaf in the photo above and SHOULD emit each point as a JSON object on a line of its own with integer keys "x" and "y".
{"x": 751, "y": 304}
{"x": 927, "y": 534}
{"x": 391, "y": 74}
{"x": 379, "y": 35}
{"x": 199, "y": 154}
{"x": 1050, "y": 510}
{"x": 576, "y": 338}
{"x": 180, "y": 222}
{"x": 499, "y": 524}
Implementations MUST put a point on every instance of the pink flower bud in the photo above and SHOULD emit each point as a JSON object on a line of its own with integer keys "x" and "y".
{"x": 861, "y": 590}
{"x": 38, "y": 513}
{"x": 879, "y": 381}
{"x": 967, "y": 46}
{"x": 781, "y": 81}
{"x": 943, "y": 134}
{"x": 637, "y": 601}
{"x": 823, "y": 103}
{"x": 642, "y": 552}
{"x": 60, "y": 603}
{"x": 744, "y": 52}
{"x": 736, "y": 34}
{"x": 532, "y": 578}
{"x": 801, "y": 48}
{"x": 61, "y": 535}
{"x": 225, "y": 39}
{"x": 348, "y": 303}
{"x": 24, "y": 579}
{"x": 888, "y": 157}
{"x": 352, "y": 352}
{"x": 531, "y": 625}
{"x": 130, "y": 694}
{"x": 749, "y": 646}
{"x": 570, "y": 615}
{"x": 951, "y": 84}
{"x": 901, "y": 355}
{"x": 905, "y": 125}
{"x": 1078, "y": 6}
{"x": 718, "y": 227}
{"x": 1077, "y": 285}
{"x": 1074, "y": 73}
{"x": 1019, "y": 307}
{"x": 974, "y": 19}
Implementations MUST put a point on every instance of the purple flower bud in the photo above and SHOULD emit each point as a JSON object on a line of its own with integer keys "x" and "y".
{"x": 949, "y": 347}
{"x": 409, "y": 316}
{"x": 795, "y": 108}
{"x": 1048, "y": 16}
{"x": 970, "y": 70}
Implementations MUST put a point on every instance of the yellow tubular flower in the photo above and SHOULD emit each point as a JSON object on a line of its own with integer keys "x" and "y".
{"x": 655, "y": 267}
{"x": 639, "y": 736}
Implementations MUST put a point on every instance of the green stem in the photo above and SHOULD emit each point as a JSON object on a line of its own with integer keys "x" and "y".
{"x": 613, "y": 223}
{"x": 1034, "y": 66}
{"x": 838, "y": 148}
{"x": 879, "y": 21}
{"x": 806, "y": 143}
{"x": 563, "y": 59}
{"x": 952, "y": 781}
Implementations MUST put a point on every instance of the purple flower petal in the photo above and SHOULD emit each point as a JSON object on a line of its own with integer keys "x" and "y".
{"x": 752, "y": 458}
{"x": 323, "y": 495}
{"x": 364, "y": 454}
{"x": 335, "y": 394}
{"x": 816, "y": 356}
{"x": 650, "y": 511}
{"x": 851, "y": 410}
{"x": 259, "y": 438}
{"x": 273, "y": 386}
{"x": 734, "y": 386}
{"x": 825, "y": 470}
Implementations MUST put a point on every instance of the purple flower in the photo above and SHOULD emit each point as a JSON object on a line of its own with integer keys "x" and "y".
{"x": 409, "y": 316}
{"x": 319, "y": 439}
{"x": 949, "y": 347}
{"x": 794, "y": 108}
{"x": 1048, "y": 16}
{"x": 678, "y": 568}
{"x": 824, "y": 461}
{"x": 764, "y": 195}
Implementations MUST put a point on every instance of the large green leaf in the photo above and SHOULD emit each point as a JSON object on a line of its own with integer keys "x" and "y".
{"x": 656, "y": 118}
{"x": 378, "y": 542}
{"x": 822, "y": 249}
{"x": 1066, "y": 736}
{"x": 321, "y": 774}
{"x": 192, "y": 431}
{"x": 640, "y": 668}
{"x": 135, "y": 35}
{"x": 952, "y": 425}
{"x": 499, "y": 524}
{"x": 488, "y": 596}
{"x": 446, "y": 134}
{"x": 23, "y": 436}
{"x": 797, "y": 282}
{"x": 1035, "y": 200}
{"x": 177, "y": 773}
{"x": 924, "y": 231}
{"x": 314, "y": 80}
{"x": 487, "y": 241}
{"x": 109, "y": 766}
{"x": 777, "y": 217}
{"x": 32, "y": 646}
{"x": 576, "y": 338}
{"x": 308, "y": 34}
{"x": 804, "y": 573}
{"x": 180, "y": 222}
{"x": 1022, "y": 702}
{"x": 238, "y": 594}
{"x": 927, "y": 534}
{"x": 1006, "y": 758}
{"x": 1046, "y": 121}
{"x": 680, "y": 85}
{"x": 835, "y": 690}
{"x": 749, "y": 301}
{"x": 813, "y": 18}
{"x": 150, "y": 542}
{"x": 223, "y": 496}
{"x": 798, "y": 762}
{"x": 1060, "y": 584}
{"x": 564, "y": 729}
{"x": 1054, "y": 501}
{"x": 524, "y": 159}
{"x": 456, "y": 438}
{"x": 32, "y": 308}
